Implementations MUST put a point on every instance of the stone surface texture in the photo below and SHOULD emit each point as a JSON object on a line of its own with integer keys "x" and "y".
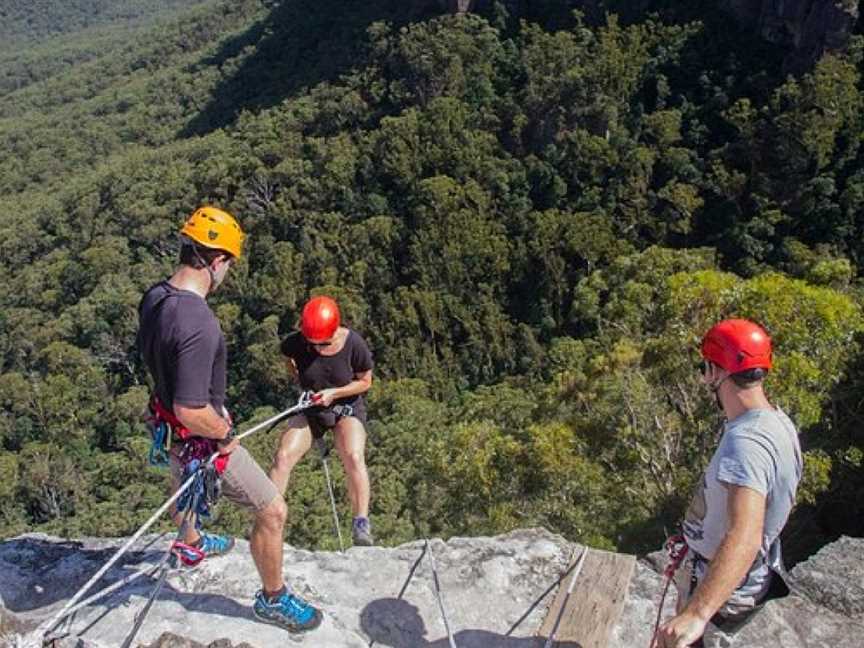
{"x": 489, "y": 586}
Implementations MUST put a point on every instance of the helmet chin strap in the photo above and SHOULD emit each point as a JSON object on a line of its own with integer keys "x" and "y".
{"x": 214, "y": 280}
{"x": 715, "y": 389}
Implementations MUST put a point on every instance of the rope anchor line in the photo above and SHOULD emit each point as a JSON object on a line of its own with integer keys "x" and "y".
{"x": 322, "y": 448}
{"x": 551, "y": 639}
{"x": 436, "y": 587}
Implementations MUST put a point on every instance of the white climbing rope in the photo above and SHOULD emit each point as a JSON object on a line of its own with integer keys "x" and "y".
{"x": 438, "y": 595}
{"x": 550, "y": 640}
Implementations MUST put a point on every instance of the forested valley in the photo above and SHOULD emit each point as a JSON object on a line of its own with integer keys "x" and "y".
{"x": 532, "y": 212}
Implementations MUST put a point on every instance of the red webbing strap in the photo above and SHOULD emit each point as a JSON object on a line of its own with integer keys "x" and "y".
{"x": 164, "y": 414}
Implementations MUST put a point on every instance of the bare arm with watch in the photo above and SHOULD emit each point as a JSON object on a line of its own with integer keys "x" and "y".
{"x": 205, "y": 422}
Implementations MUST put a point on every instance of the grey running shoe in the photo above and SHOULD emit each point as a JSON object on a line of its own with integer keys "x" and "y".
{"x": 362, "y": 532}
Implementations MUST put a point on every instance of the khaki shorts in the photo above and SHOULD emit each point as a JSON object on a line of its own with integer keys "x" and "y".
{"x": 243, "y": 481}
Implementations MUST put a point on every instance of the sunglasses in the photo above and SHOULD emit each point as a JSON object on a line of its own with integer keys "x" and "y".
{"x": 703, "y": 366}
{"x": 320, "y": 345}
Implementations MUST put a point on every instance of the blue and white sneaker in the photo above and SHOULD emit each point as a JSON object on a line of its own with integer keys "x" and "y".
{"x": 215, "y": 545}
{"x": 287, "y": 611}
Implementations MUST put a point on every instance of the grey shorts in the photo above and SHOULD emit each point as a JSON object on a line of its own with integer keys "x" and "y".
{"x": 243, "y": 482}
{"x": 731, "y": 616}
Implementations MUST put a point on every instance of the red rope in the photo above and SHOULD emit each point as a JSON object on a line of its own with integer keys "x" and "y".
{"x": 676, "y": 549}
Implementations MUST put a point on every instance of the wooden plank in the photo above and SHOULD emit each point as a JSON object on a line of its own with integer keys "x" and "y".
{"x": 594, "y": 606}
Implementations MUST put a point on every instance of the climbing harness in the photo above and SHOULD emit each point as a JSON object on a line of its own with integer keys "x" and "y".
{"x": 202, "y": 495}
{"x": 550, "y": 640}
{"x": 322, "y": 449}
{"x": 342, "y": 410}
{"x": 75, "y": 603}
{"x": 161, "y": 414}
{"x": 160, "y": 446}
{"x": 437, "y": 588}
{"x": 676, "y": 549}
{"x": 166, "y": 429}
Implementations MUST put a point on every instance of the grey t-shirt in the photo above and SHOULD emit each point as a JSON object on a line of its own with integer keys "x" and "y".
{"x": 183, "y": 347}
{"x": 759, "y": 450}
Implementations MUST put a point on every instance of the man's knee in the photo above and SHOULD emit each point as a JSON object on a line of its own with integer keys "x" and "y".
{"x": 274, "y": 514}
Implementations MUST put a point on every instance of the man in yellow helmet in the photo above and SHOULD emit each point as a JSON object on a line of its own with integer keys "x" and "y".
{"x": 184, "y": 349}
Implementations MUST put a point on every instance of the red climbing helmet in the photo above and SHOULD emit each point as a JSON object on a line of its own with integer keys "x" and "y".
{"x": 737, "y": 345}
{"x": 320, "y": 319}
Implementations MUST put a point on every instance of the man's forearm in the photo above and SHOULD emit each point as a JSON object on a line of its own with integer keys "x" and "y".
{"x": 725, "y": 573}
{"x": 202, "y": 421}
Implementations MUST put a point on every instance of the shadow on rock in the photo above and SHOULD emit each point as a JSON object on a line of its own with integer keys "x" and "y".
{"x": 397, "y": 623}
{"x": 46, "y": 573}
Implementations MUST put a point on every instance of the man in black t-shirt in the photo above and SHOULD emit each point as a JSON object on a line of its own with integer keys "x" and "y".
{"x": 184, "y": 349}
{"x": 335, "y": 364}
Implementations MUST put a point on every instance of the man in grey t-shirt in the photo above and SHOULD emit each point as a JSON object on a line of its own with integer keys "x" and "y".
{"x": 746, "y": 494}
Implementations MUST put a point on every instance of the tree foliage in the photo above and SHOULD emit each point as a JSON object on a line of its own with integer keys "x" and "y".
{"x": 532, "y": 217}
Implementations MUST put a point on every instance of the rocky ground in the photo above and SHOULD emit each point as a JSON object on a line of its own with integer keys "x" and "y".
{"x": 490, "y": 585}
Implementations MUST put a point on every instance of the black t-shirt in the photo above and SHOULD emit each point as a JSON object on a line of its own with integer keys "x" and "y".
{"x": 319, "y": 372}
{"x": 183, "y": 347}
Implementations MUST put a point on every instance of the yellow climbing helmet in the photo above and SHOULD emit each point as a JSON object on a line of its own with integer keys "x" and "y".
{"x": 216, "y": 229}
